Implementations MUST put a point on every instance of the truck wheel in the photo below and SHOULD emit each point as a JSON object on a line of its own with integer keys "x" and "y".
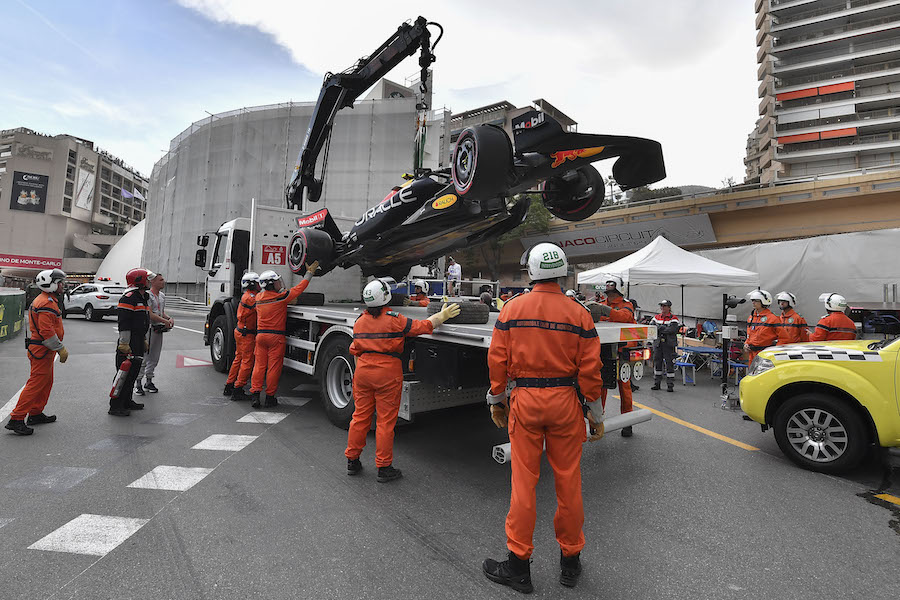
{"x": 336, "y": 383}
{"x": 311, "y": 299}
{"x": 218, "y": 344}
{"x": 481, "y": 161}
{"x": 470, "y": 313}
{"x": 820, "y": 433}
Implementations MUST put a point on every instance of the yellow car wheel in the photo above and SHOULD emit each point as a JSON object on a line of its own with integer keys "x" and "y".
{"x": 820, "y": 433}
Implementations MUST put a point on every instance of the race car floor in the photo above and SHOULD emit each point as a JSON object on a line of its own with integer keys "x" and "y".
{"x": 200, "y": 497}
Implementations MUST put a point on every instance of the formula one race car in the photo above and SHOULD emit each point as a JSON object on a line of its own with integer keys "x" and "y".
{"x": 471, "y": 202}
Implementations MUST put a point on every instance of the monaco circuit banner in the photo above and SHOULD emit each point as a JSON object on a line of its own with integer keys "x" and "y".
{"x": 29, "y": 192}
{"x": 38, "y": 263}
{"x": 682, "y": 231}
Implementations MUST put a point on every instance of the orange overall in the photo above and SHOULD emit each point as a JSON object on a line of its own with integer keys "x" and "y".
{"x": 271, "y": 320}
{"x": 622, "y": 312}
{"x": 244, "y": 341}
{"x": 421, "y": 299}
{"x": 793, "y": 328}
{"x": 44, "y": 321}
{"x": 834, "y": 326}
{"x": 547, "y": 344}
{"x": 378, "y": 379}
{"x": 762, "y": 330}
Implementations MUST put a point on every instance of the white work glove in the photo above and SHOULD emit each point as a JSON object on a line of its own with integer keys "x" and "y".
{"x": 447, "y": 312}
{"x": 311, "y": 270}
{"x": 63, "y": 354}
{"x": 605, "y": 310}
{"x": 124, "y": 348}
{"x": 596, "y": 425}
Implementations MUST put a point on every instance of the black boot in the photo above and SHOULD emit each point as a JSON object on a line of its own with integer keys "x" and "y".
{"x": 388, "y": 473}
{"x": 514, "y": 572}
{"x": 570, "y": 569}
{"x": 239, "y": 394}
{"x": 656, "y": 385}
{"x": 119, "y": 412}
{"x": 627, "y": 431}
{"x": 19, "y": 427}
{"x": 40, "y": 419}
{"x": 635, "y": 387}
{"x": 670, "y": 386}
{"x": 270, "y": 402}
{"x": 132, "y": 405}
{"x": 353, "y": 466}
{"x": 255, "y": 400}
{"x": 229, "y": 389}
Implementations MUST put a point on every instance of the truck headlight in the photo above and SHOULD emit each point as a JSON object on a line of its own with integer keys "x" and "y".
{"x": 760, "y": 365}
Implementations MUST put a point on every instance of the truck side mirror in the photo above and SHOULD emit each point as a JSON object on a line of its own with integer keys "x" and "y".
{"x": 200, "y": 258}
{"x": 202, "y": 241}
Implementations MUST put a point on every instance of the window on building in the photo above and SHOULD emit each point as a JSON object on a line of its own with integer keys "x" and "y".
{"x": 117, "y": 179}
{"x": 5, "y": 150}
{"x": 105, "y": 174}
{"x": 72, "y": 157}
{"x": 105, "y": 201}
{"x": 105, "y": 188}
{"x": 67, "y": 205}
{"x": 2, "y": 166}
{"x": 70, "y": 188}
{"x": 70, "y": 172}
{"x": 117, "y": 206}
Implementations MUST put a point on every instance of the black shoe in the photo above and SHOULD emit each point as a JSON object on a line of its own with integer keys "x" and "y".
{"x": 40, "y": 419}
{"x": 239, "y": 395}
{"x": 671, "y": 387}
{"x": 229, "y": 389}
{"x": 119, "y": 412}
{"x": 134, "y": 405}
{"x": 150, "y": 387}
{"x": 570, "y": 569}
{"x": 255, "y": 397}
{"x": 138, "y": 390}
{"x": 270, "y": 402}
{"x": 353, "y": 466}
{"x": 514, "y": 572}
{"x": 388, "y": 473}
{"x": 627, "y": 431}
{"x": 19, "y": 427}
{"x": 635, "y": 386}
{"x": 656, "y": 386}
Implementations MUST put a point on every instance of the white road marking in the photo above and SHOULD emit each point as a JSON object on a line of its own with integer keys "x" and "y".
{"x": 186, "y": 329}
{"x": 90, "y": 534}
{"x": 266, "y": 418}
{"x": 176, "y": 479}
{"x": 307, "y": 386}
{"x": 11, "y": 404}
{"x": 5, "y": 521}
{"x": 229, "y": 443}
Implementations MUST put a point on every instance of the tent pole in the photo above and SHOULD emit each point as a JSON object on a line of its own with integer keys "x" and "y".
{"x": 683, "y": 316}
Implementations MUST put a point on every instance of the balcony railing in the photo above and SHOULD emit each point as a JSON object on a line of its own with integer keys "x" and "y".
{"x": 858, "y": 118}
{"x": 810, "y": 14}
{"x": 785, "y": 41}
{"x": 836, "y": 52}
{"x": 878, "y": 138}
{"x": 849, "y": 72}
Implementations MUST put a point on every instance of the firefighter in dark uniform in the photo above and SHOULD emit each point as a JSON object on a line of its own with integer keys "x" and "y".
{"x": 134, "y": 321}
{"x": 667, "y": 326}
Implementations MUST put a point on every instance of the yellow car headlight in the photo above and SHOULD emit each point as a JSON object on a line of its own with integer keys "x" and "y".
{"x": 760, "y": 365}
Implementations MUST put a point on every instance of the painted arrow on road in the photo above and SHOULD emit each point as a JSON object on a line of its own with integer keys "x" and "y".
{"x": 186, "y": 361}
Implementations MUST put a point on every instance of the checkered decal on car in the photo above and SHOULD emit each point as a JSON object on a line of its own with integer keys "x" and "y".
{"x": 826, "y": 353}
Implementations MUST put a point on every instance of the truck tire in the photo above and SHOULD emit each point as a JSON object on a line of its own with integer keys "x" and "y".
{"x": 481, "y": 162}
{"x": 218, "y": 344}
{"x": 820, "y": 433}
{"x": 311, "y": 299}
{"x": 470, "y": 313}
{"x": 336, "y": 381}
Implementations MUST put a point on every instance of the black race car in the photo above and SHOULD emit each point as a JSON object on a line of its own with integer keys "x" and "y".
{"x": 470, "y": 203}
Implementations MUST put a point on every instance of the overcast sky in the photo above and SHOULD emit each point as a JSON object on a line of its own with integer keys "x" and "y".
{"x": 132, "y": 74}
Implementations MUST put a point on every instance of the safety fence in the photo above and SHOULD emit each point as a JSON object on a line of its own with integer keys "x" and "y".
{"x": 12, "y": 310}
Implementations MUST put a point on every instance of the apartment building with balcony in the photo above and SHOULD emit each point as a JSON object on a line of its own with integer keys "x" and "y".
{"x": 829, "y": 88}
{"x": 63, "y": 202}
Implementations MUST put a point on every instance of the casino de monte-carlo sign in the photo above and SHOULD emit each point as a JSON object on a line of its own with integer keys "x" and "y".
{"x": 681, "y": 231}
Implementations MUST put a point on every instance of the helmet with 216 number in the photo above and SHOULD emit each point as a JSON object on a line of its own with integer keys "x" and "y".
{"x": 376, "y": 293}
{"x": 834, "y": 302}
{"x": 761, "y": 295}
{"x": 138, "y": 278}
{"x": 48, "y": 280}
{"x": 546, "y": 261}
{"x": 268, "y": 278}
{"x": 422, "y": 284}
{"x": 787, "y": 297}
{"x": 250, "y": 279}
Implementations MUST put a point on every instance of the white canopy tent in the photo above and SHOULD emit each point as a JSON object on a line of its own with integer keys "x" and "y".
{"x": 663, "y": 263}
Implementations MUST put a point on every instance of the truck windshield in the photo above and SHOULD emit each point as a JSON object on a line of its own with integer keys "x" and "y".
{"x": 221, "y": 238}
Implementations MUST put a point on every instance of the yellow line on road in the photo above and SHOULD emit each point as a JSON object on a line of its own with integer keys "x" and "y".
{"x": 718, "y": 436}
{"x": 888, "y": 498}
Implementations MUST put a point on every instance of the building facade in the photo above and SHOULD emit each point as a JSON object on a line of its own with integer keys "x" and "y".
{"x": 829, "y": 88}
{"x": 63, "y": 202}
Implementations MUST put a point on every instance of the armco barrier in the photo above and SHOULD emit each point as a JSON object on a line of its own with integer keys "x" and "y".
{"x": 12, "y": 310}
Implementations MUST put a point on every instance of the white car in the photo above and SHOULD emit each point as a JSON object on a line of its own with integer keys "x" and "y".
{"x": 94, "y": 300}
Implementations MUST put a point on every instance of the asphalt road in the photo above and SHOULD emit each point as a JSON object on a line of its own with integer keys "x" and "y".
{"x": 671, "y": 513}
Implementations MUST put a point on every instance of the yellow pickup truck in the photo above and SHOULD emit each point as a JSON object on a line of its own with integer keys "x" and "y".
{"x": 828, "y": 402}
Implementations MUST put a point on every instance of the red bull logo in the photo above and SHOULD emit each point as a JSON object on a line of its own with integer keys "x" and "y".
{"x": 564, "y": 155}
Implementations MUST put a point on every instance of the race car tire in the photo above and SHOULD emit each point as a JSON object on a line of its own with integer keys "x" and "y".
{"x": 470, "y": 313}
{"x": 577, "y": 199}
{"x": 594, "y": 307}
{"x": 820, "y": 433}
{"x": 336, "y": 382}
{"x": 481, "y": 162}
{"x": 311, "y": 299}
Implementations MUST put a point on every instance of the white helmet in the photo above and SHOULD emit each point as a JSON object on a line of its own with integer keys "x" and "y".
{"x": 834, "y": 302}
{"x": 376, "y": 293}
{"x": 787, "y": 297}
{"x": 570, "y": 293}
{"x": 617, "y": 283}
{"x": 268, "y": 278}
{"x": 422, "y": 284}
{"x": 761, "y": 295}
{"x": 250, "y": 278}
{"x": 546, "y": 261}
{"x": 48, "y": 280}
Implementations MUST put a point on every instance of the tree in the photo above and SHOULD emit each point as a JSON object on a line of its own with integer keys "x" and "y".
{"x": 728, "y": 182}
{"x": 536, "y": 221}
{"x": 645, "y": 193}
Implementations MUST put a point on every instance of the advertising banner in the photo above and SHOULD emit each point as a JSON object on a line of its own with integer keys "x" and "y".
{"x": 29, "y": 192}
{"x": 274, "y": 255}
{"x": 84, "y": 186}
{"x": 681, "y": 231}
{"x": 38, "y": 263}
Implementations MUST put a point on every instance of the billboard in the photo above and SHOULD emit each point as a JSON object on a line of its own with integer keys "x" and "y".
{"x": 84, "y": 187}
{"x": 29, "y": 192}
{"x": 30, "y": 262}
